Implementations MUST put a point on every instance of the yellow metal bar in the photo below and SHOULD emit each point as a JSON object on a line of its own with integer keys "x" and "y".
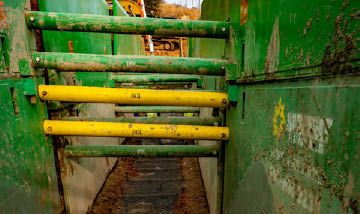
{"x": 132, "y": 96}
{"x": 109, "y": 129}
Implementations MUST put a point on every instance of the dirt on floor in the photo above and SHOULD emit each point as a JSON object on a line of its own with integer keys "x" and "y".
{"x": 153, "y": 185}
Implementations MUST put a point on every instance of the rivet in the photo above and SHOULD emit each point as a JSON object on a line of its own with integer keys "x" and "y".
{"x": 223, "y": 135}
{"x": 49, "y": 129}
{"x": 224, "y": 101}
{"x": 37, "y": 59}
{"x": 223, "y": 67}
{"x": 32, "y": 19}
{"x": 44, "y": 93}
{"x": 223, "y": 29}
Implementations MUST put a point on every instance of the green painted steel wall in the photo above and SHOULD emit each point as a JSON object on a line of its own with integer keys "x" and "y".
{"x": 28, "y": 181}
{"x": 126, "y": 44}
{"x": 83, "y": 42}
{"x": 27, "y": 169}
{"x": 294, "y": 144}
{"x": 15, "y": 43}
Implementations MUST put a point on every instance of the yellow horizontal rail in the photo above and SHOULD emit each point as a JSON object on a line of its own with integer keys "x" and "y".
{"x": 109, "y": 129}
{"x": 132, "y": 96}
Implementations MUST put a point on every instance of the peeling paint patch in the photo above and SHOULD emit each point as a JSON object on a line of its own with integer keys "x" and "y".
{"x": 307, "y": 131}
{"x": 303, "y": 196}
{"x": 243, "y": 12}
{"x": 273, "y": 50}
{"x": 3, "y": 22}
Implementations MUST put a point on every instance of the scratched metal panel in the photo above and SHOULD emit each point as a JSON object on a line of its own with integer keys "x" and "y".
{"x": 295, "y": 148}
{"x": 16, "y": 40}
{"x": 78, "y": 42}
{"x": 287, "y": 39}
{"x": 126, "y": 44}
{"x": 294, "y": 145}
{"x": 28, "y": 181}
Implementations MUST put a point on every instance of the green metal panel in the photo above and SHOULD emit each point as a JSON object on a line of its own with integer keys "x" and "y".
{"x": 294, "y": 145}
{"x": 287, "y": 39}
{"x": 126, "y": 44}
{"x": 27, "y": 169}
{"x": 79, "y": 42}
{"x": 15, "y": 42}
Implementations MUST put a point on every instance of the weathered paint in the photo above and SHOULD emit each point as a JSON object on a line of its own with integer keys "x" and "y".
{"x": 110, "y": 129}
{"x": 15, "y": 42}
{"x": 126, "y": 25}
{"x": 309, "y": 164}
{"x": 293, "y": 145}
{"x": 145, "y": 78}
{"x": 306, "y": 39}
{"x": 156, "y": 109}
{"x": 142, "y": 151}
{"x": 28, "y": 179}
{"x": 125, "y": 43}
{"x": 203, "y": 121}
{"x": 123, "y": 63}
{"x": 132, "y": 96}
{"x": 27, "y": 168}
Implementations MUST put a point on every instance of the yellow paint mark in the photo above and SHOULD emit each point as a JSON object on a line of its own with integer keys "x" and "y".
{"x": 279, "y": 120}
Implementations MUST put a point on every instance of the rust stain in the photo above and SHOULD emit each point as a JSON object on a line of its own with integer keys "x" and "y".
{"x": 273, "y": 50}
{"x": 3, "y": 21}
{"x": 342, "y": 49}
{"x": 243, "y": 12}
{"x": 71, "y": 46}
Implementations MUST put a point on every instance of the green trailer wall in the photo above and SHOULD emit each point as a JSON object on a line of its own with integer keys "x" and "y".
{"x": 294, "y": 121}
{"x": 28, "y": 180}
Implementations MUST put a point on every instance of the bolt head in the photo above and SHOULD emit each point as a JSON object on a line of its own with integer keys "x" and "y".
{"x": 32, "y": 19}
{"x": 223, "y": 29}
{"x": 37, "y": 59}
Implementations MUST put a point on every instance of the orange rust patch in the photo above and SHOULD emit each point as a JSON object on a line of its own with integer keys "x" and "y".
{"x": 3, "y": 22}
{"x": 243, "y": 12}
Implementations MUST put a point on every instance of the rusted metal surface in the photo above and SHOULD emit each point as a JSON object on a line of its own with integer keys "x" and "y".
{"x": 126, "y": 25}
{"x": 123, "y": 63}
{"x": 294, "y": 144}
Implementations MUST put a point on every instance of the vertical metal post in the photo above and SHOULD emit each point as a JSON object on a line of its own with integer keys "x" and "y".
{"x": 181, "y": 47}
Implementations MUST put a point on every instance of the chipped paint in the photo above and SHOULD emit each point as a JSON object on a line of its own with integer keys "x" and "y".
{"x": 306, "y": 131}
{"x": 307, "y": 198}
{"x": 123, "y": 63}
{"x": 127, "y": 25}
{"x": 273, "y": 50}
